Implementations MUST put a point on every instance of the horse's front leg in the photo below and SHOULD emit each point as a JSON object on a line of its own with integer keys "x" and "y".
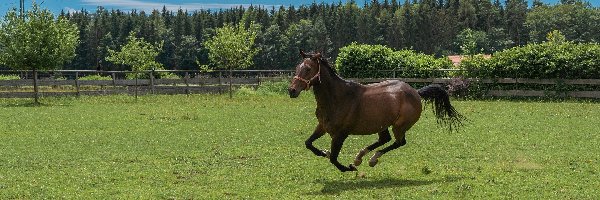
{"x": 336, "y": 146}
{"x": 319, "y": 131}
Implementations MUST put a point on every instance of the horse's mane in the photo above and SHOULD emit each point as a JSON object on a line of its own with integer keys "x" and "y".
{"x": 332, "y": 72}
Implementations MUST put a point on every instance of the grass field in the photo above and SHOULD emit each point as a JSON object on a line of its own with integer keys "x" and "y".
{"x": 211, "y": 147}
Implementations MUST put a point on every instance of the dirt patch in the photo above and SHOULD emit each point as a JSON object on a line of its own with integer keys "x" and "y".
{"x": 523, "y": 163}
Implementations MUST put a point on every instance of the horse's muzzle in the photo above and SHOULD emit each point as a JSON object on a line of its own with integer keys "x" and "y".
{"x": 293, "y": 92}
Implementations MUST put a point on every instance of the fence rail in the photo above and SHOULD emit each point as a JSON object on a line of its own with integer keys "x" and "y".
{"x": 215, "y": 82}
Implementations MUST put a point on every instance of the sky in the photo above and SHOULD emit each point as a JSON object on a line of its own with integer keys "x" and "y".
{"x": 148, "y": 5}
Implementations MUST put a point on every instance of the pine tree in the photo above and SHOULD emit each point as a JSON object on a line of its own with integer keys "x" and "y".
{"x": 466, "y": 15}
{"x": 515, "y": 18}
{"x": 273, "y": 45}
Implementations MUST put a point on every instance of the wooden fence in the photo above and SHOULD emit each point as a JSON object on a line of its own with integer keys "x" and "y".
{"x": 192, "y": 82}
{"x": 69, "y": 83}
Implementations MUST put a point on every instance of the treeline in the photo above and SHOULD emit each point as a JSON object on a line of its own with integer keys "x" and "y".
{"x": 436, "y": 27}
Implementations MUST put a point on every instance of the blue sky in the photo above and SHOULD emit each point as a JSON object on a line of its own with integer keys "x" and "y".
{"x": 190, "y": 5}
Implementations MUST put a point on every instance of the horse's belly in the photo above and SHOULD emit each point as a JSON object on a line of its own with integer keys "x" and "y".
{"x": 373, "y": 124}
{"x": 377, "y": 115}
{"x": 368, "y": 131}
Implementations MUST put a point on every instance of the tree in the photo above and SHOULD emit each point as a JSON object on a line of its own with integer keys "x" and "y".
{"x": 515, "y": 16}
{"x": 556, "y": 37}
{"x": 409, "y": 24}
{"x": 232, "y": 47}
{"x": 273, "y": 44}
{"x": 83, "y": 51}
{"x": 188, "y": 51}
{"x": 424, "y": 20}
{"x": 498, "y": 40}
{"x": 467, "y": 14}
{"x": 37, "y": 41}
{"x": 578, "y": 22}
{"x": 299, "y": 35}
{"x": 471, "y": 42}
{"x": 345, "y": 25}
{"x": 319, "y": 39}
{"x": 138, "y": 54}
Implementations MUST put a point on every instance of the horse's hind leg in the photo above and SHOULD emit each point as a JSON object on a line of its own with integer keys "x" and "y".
{"x": 384, "y": 137}
{"x": 399, "y": 134}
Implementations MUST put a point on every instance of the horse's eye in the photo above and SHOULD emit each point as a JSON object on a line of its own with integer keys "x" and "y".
{"x": 307, "y": 69}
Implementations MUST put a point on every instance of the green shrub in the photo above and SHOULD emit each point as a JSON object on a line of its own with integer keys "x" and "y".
{"x": 245, "y": 91}
{"x": 419, "y": 65}
{"x": 361, "y": 60}
{"x": 475, "y": 66}
{"x": 167, "y": 75}
{"x": 270, "y": 87}
{"x": 9, "y": 77}
{"x": 95, "y": 78}
{"x": 265, "y": 88}
{"x": 547, "y": 60}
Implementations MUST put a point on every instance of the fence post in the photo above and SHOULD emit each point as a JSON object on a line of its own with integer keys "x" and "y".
{"x": 114, "y": 77}
{"x": 187, "y": 84}
{"x": 35, "y": 87}
{"x": 77, "y": 83}
{"x": 199, "y": 76}
{"x": 152, "y": 81}
{"x": 258, "y": 78}
{"x": 220, "y": 82}
{"x": 136, "y": 84}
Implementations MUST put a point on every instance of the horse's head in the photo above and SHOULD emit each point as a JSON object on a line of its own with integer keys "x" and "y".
{"x": 307, "y": 72}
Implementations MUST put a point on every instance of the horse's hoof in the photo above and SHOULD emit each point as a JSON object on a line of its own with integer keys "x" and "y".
{"x": 358, "y": 159}
{"x": 327, "y": 153}
{"x": 373, "y": 162}
{"x": 375, "y": 159}
{"x": 352, "y": 167}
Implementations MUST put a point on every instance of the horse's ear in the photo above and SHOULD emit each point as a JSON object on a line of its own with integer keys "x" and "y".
{"x": 318, "y": 55}
{"x": 303, "y": 54}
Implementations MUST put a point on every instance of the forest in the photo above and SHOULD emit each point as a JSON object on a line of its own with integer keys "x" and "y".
{"x": 434, "y": 27}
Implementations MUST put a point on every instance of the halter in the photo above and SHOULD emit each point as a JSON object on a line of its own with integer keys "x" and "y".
{"x": 318, "y": 75}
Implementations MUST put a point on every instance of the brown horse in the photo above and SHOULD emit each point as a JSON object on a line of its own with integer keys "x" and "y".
{"x": 348, "y": 108}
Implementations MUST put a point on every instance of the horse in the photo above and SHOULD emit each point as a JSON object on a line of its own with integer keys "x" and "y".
{"x": 348, "y": 108}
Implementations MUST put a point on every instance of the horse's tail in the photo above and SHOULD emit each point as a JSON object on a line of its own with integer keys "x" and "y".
{"x": 443, "y": 110}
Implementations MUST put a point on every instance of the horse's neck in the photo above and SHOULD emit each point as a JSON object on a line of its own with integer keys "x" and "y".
{"x": 329, "y": 90}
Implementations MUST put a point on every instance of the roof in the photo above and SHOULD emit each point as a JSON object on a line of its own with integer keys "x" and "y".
{"x": 456, "y": 59}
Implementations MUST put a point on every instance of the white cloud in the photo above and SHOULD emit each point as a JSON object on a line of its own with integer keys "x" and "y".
{"x": 69, "y": 10}
{"x": 149, "y": 6}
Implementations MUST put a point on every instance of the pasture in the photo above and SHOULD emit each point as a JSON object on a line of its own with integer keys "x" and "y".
{"x": 252, "y": 146}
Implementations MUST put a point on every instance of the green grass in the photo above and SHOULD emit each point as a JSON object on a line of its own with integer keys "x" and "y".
{"x": 211, "y": 147}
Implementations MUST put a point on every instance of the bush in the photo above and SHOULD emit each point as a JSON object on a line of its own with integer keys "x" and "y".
{"x": 547, "y": 60}
{"x": 245, "y": 91}
{"x": 419, "y": 65}
{"x": 95, "y": 78}
{"x": 356, "y": 60}
{"x": 269, "y": 87}
{"x": 475, "y": 66}
{"x": 265, "y": 88}
{"x": 9, "y": 77}
{"x": 361, "y": 60}
{"x": 167, "y": 75}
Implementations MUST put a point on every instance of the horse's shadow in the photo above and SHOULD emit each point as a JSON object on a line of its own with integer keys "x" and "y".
{"x": 338, "y": 186}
